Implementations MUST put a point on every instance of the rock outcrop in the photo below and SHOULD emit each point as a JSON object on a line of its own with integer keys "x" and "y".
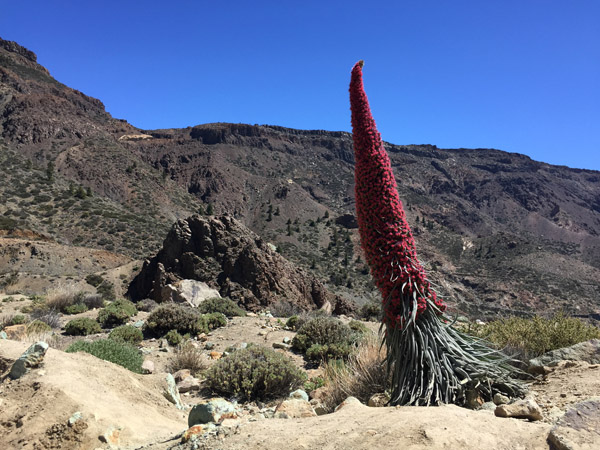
{"x": 227, "y": 256}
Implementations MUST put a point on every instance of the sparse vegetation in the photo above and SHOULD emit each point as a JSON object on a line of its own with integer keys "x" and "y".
{"x": 284, "y": 308}
{"x": 82, "y": 326}
{"x": 110, "y": 350}
{"x": 38, "y": 327}
{"x": 362, "y": 375}
{"x": 528, "y": 338}
{"x": 49, "y": 316}
{"x": 187, "y": 356}
{"x": 254, "y": 373}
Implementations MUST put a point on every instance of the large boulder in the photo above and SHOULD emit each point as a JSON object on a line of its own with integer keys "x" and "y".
{"x": 588, "y": 351}
{"x": 228, "y": 257}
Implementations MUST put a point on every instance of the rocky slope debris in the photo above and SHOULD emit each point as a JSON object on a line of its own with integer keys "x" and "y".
{"x": 224, "y": 254}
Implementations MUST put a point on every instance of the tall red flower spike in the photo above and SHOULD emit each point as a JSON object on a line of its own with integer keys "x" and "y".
{"x": 430, "y": 362}
{"x": 384, "y": 232}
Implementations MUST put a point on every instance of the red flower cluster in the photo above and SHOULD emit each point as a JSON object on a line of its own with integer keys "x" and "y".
{"x": 384, "y": 233}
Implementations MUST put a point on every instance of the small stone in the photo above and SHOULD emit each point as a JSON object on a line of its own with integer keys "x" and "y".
{"x": 32, "y": 358}
{"x": 172, "y": 393}
{"x": 209, "y": 345}
{"x": 281, "y": 346}
{"x": 181, "y": 375}
{"x": 215, "y": 355}
{"x": 299, "y": 394}
{"x": 213, "y": 410}
{"x": 378, "y": 400}
{"x": 318, "y": 407}
{"x": 251, "y": 314}
{"x": 202, "y": 337}
{"x": 147, "y": 366}
{"x": 3, "y": 335}
{"x": 500, "y": 399}
{"x": 488, "y": 406}
{"x": 263, "y": 333}
{"x": 16, "y": 332}
{"x": 74, "y": 418}
{"x": 563, "y": 395}
{"x": 188, "y": 385}
{"x": 526, "y": 408}
{"x": 163, "y": 343}
{"x": 578, "y": 428}
{"x": 350, "y": 401}
{"x": 111, "y": 435}
{"x": 294, "y": 408}
{"x": 196, "y": 430}
{"x": 139, "y": 324}
{"x": 287, "y": 340}
{"x": 243, "y": 345}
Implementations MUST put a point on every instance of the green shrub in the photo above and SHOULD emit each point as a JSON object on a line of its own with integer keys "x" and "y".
{"x": 182, "y": 319}
{"x": 173, "y": 317}
{"x": 224, "y": 306}
{"x": 371, "y": 311}
{"x": 147, "y": 305}
{"x": 110, "y": 350}
{"x": 528, "y": 338}
{"x": 357, "y": 326}
{"x": 82, "y": 327}
{"x": 18, "y": 319}
{"x": 254, "y": 373}
{"x": 37, "y": 326}
{"x": 77, "y": 308}
{"x": 128, "y": 334}
{"x": 324, "y": 338}
{"x": 116, "y": 313}
{"x": 212, "y": 321}
{"x": 106, "y": 290}
{"x": 173, "y": 338}
{"x": 292, "y": 323}
{"x": 94, "y": 279}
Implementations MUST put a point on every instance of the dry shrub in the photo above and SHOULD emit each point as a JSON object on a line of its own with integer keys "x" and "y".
{"x": 187, "y": 356}
{"x": 363, "y": 375}
{"x": 61, "y": 297}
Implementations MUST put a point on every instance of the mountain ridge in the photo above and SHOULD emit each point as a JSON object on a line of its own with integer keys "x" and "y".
{"x": 499, "y": 231}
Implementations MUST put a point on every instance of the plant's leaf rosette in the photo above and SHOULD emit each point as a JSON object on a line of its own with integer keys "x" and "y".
{"x": 431, "y": 363}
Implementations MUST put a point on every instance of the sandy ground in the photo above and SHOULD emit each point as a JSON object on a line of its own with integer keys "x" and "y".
{"x": 34, "y": 410}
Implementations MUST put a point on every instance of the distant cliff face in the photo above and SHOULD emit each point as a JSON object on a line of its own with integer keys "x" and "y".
{"x": 498, "y": 231}
{"x": 223, "y": 253}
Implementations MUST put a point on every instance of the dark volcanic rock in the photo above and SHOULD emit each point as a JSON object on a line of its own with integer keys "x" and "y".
{"x": 223, "y": 253}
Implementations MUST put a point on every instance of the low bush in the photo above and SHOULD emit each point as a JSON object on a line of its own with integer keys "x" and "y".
{"x": 528, "y": 338}
{"x": 116, "y": 313}
{"x": 182, "y": 319}
{"x": 357, "y": 326}
{"x": 284, "y": 308}
{"x": 106, "y": 290}
{"x": 325, "y": 338}
{"x": 173, "y": 338}
{"x": 47, "y": 315}
{"x": 38, "y": 327}
{"x": 254, "y": 373}
{"x": 362, "y": 375}
{"x": 116, "y": 352}
{"x": 224, "y": 306}
{"x": 147, "y": 305}
{"x": 18, "y": 319}
{"x": 82, "y": 327}
{"x": 371, "y": 311}
{"x": 187, "y": 356}
{"x": 77, "y": 308}
{"x": 128, "y": 334}
{"x": 93, "y": 301}
{"x": 94, "y": 279}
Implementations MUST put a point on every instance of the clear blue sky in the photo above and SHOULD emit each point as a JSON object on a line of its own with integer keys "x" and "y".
{"x": 521, "y": 76}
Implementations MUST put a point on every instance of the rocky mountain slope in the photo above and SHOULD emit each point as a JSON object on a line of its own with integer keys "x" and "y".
{"x": 499, "y": 232}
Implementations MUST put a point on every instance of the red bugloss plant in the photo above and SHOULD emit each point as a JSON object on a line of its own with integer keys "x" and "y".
{"x": 430, "y": 362}
{"x": 385, "y": 235}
